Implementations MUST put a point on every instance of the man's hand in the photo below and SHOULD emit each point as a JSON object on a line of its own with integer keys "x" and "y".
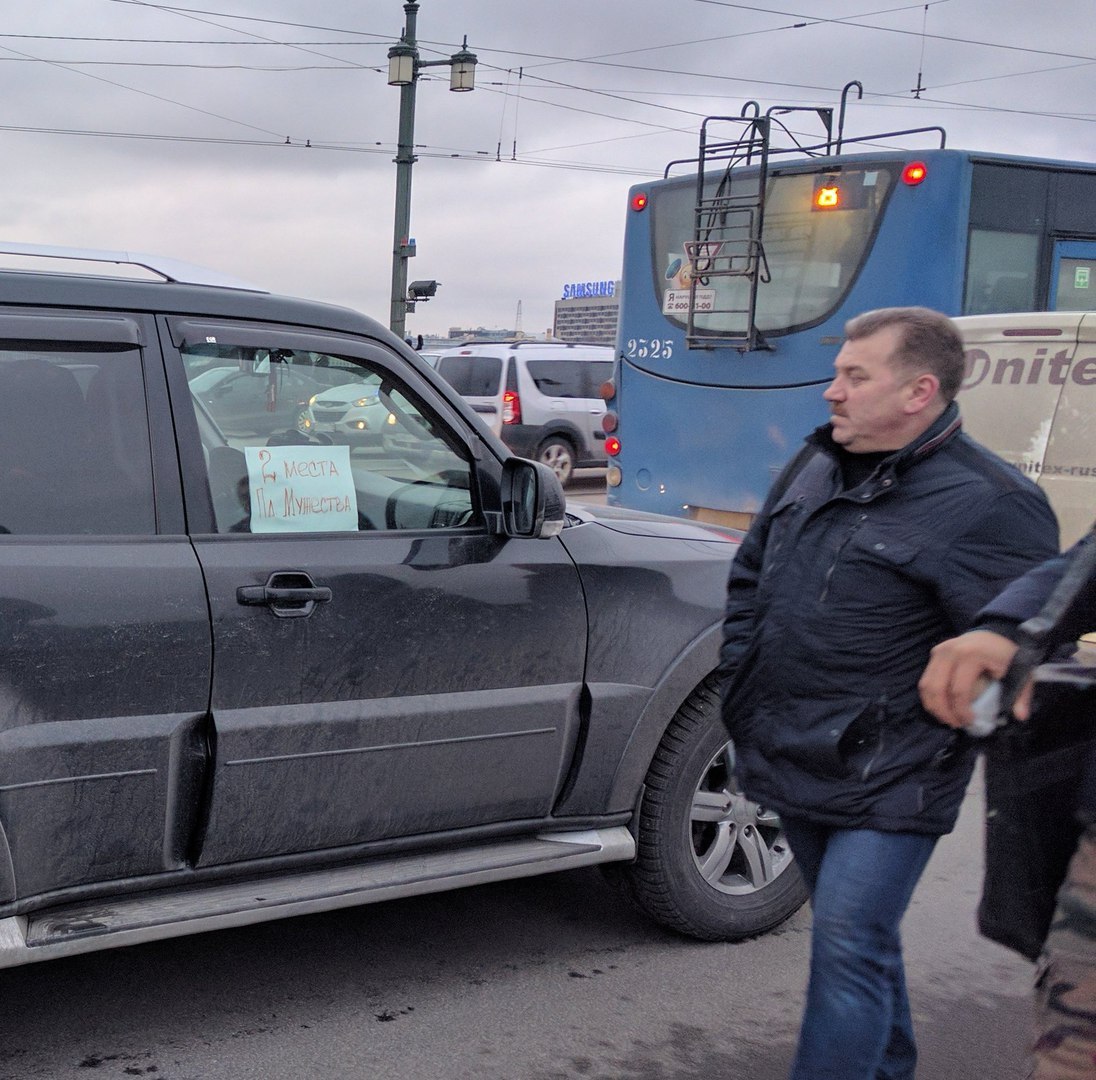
{"x": 958, "y": 670}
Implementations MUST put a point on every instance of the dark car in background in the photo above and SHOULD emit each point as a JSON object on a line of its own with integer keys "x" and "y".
{"x": 251, "y": 669}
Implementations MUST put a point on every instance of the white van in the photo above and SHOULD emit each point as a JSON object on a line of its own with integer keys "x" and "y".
{"x": 1030, "y": 396}
{"x": 541, "y": 397}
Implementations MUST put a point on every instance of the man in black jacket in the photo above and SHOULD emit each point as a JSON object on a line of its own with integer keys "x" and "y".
{"x": 1065, "y": 984}
{"x": 884, "y": 536}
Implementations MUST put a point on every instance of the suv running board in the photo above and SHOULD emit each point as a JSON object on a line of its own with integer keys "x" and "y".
{"x": 100, "y": 924}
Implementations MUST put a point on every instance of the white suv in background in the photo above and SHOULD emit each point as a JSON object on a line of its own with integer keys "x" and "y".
{"x": 543, "y": 398}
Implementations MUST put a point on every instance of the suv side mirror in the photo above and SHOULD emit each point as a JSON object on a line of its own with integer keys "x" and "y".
{"x": 533, "y": 504}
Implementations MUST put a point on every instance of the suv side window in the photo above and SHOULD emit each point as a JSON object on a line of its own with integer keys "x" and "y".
{"x": 297, "y": 441}
{"x": 557, "y": 378}
{"x": 74, "y": 443}
{"x": 570, "y": 378}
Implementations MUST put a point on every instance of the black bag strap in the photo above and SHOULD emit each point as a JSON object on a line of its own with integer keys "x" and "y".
{"x": 1034, "y": 634}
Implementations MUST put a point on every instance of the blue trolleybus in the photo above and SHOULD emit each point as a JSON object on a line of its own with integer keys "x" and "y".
{"x": 740, "y": 274}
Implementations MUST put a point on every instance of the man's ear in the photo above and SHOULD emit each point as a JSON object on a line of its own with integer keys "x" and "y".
{"x": 921, "y": 392}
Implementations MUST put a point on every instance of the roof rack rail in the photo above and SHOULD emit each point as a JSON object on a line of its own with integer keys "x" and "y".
{"x": 171, "y": 270}
{"x": 515, "y": 343}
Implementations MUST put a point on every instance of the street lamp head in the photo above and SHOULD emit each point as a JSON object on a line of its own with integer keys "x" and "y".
{"x": 401, "y": 64}
{"x": 422, "y": 290}
{"x": 462, "y": 69}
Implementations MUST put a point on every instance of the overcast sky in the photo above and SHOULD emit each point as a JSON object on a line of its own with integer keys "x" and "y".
{"x": 257, "y": 136}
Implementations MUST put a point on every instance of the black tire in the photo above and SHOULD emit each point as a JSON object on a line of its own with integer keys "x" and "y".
{"x": 710, "y": 864}
{"x": 559, "y": 455}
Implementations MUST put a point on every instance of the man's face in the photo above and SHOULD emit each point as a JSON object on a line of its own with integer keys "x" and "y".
{"x": 869, "y": 398}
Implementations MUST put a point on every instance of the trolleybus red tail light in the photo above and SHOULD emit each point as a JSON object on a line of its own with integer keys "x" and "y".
{"x": 612, "y": 446}
{"x": 914, "y": 173}
{"x": 511, "y": 407}
{"x": 639, "y": 201}
{"x": 609, "y": 422}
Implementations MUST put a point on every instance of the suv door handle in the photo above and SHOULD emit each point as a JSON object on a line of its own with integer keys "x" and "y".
{"x": 288, "y": 594}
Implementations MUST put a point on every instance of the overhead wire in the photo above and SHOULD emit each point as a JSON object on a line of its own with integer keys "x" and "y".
{"x": 635, "y": 95}
{"x": 143, "y": 93}
{"x": 421, "y": 150}
{"x": 210, "y": 22}
{"x": 115, "y": 40}
{"x": 851, "y": 21}
{"x": 179, "y": 10}
{"x": 602, "y": 60}
{"x": 198, "y": 67}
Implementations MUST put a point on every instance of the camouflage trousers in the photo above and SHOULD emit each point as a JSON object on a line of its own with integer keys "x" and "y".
{"x": 1065, "y": 984}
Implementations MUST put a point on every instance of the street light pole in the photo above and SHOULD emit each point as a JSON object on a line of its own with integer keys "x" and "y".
{"x": 403, "y": 71}
{"x": 405, "y": 159}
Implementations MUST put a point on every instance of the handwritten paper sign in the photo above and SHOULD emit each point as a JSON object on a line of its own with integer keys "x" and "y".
{"x": 301, "y": 489}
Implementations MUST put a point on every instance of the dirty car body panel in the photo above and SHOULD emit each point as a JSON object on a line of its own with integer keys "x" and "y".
{"x": 255, "y": 670}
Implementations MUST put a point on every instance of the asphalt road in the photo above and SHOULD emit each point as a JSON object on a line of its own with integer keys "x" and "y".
{"x": 587, "y": 485}
{"x": 545, "y": 979}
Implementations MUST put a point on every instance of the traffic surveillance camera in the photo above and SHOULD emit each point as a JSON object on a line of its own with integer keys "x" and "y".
{"x": 421, "y": 290}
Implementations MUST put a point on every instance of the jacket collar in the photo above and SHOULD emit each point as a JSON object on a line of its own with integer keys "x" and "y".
{"x": 942, "y": 430}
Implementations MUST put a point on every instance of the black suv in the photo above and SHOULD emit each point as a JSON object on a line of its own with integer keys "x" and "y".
{"x": 258, "y": 661}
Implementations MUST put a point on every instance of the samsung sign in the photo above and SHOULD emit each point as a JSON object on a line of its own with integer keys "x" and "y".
{"x": 580, "y": 290}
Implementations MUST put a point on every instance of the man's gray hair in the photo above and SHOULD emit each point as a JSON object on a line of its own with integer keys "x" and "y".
{"x": 928, "y": 341}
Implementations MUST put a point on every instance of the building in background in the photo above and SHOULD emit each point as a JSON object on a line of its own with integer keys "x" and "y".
{"x": 588, "y": 312}
{"x": 457, "y": 334}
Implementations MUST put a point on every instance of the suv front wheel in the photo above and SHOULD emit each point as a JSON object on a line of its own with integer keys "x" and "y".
{"x": 710, "y": 863}
{"x": 559, "y": 455}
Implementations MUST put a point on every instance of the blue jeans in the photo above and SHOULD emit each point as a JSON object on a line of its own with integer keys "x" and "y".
{"x": 857, "y": 1023}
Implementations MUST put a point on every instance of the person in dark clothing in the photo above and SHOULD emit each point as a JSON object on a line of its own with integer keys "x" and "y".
{"x": 1065, "y": 982}
{"x": 884, "y": 536}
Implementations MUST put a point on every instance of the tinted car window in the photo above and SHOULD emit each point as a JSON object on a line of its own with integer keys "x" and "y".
{"x": 472, "y": 376}
{"x": 597, "y": 372}
{"x": 569, "y": 378}
{"x": 302, "y": 442}
{"x": 557, "y": 378}
{"x": 74, "y": 449}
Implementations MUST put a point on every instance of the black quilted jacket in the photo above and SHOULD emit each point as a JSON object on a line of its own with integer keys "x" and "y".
{"x": 833, "y": 603}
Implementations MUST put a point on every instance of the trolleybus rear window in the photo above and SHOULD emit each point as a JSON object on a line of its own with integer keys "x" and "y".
{"x": 817, "y": 232}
